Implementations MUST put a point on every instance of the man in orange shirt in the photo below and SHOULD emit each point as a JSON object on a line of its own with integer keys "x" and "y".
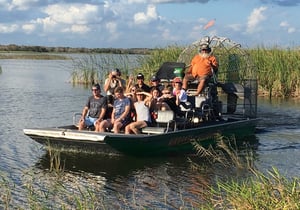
{"x": 201, "y": 68}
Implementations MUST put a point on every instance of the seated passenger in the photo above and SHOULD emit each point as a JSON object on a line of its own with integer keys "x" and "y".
{"x": 142, "y": 108}
{"x": 155, "y": 94}
{"x": 181, "y": 96}
{"x": 120, "y": 116}
{"x": 167, "y": 101}
{"x": 94, "y": 111}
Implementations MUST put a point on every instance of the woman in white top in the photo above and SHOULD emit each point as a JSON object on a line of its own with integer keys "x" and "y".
{"x": 142, "y": 108}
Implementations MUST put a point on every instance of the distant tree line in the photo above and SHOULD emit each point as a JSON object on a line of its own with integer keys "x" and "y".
{"x": 13, "y": 47}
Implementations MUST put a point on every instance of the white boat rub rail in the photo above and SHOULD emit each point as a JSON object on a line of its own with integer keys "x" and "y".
{"x": 67, "y": 134}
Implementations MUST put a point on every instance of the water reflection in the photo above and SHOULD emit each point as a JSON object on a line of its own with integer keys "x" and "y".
{"x": 108, "y": 166}
{"x": 136, "y": 183}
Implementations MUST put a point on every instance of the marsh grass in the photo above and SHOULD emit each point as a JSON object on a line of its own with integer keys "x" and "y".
{"x": 278, "y": 70}
{"x": 149, "y": 65}
{"x": 269, "y": 190}
{"x": 55, "y": 162}
{"x": 5, "y": 192}
{"x": 94, "y": 68}
{"x": 32, "y": 56}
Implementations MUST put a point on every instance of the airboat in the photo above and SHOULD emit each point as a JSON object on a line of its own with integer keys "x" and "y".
{"x": 227, "y": 107}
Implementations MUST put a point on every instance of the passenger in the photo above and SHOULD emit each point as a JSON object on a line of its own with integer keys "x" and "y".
{"x": 141, "y": 84}
{"x": 142, "y": 108}
{"x": 131, "y": 93}
{"x": 120, "y": 116}
{"x": 94, "y": 111}
{"x": 166, "y": 98}
{"x": 181, "y": 96}
{"x": 155, "y": 81}
{"x": 155, "y": 104}
{"x": 201, "y": 68}
{"x": 112, "y": 82}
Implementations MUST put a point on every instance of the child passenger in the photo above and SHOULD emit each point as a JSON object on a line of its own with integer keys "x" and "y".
{"x": 142, "y": 108}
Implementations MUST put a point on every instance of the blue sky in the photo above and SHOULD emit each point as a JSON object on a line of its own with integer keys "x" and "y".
{"x": 148, "y": 23}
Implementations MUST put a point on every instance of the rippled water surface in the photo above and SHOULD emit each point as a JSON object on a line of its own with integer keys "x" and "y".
{"x": 36, "y": 93}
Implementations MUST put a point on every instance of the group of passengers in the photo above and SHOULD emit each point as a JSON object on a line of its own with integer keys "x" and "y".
{"x": 132, "y": 106}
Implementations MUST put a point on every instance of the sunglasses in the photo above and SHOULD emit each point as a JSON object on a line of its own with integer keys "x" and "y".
{"x": 166, "y": 92}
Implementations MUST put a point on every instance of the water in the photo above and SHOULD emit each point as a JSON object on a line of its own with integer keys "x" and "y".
{"x": 36, "y": 93}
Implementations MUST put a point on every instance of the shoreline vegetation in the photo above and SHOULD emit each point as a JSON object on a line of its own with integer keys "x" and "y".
{"x": 278, "y": 70}
{"x": 244, "y": 187}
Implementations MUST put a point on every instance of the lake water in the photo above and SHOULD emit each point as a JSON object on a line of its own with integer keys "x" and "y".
{"x": 36, "y": 93}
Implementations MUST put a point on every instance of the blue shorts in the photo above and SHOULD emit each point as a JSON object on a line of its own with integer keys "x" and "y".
{"x": 89, "y": 121}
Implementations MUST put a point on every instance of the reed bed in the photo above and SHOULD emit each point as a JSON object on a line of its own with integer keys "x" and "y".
{"x": 32, "y": 56}
{"x": 149, "y": 65}
{"x": 278, "y": 71}
{"x": 254, "y": 190}
{"x": 94, "y": 68}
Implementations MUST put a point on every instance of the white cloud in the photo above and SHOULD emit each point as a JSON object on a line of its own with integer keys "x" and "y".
{"x": 28, "y": 28}
{"x": 21, "y": 4}
{"x": 81, "y": 29}
{"x": 144, "y": 18}
{"x": 291, "y": 30}
{"x": 286, "y": 25}
{"x": 235, "y": 27}
{"x": 72, "y": 14}
{"x": 255, "y": 18}
{"x": 111, "y": 26}
{"x": 65, "y": 18}
{"x": 112, "y": 29}
{"x": 8, "y": 28}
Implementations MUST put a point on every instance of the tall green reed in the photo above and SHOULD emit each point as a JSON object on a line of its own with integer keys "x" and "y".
{"x": 94, "y": 68}
{"x": 257, "y": 190}
{"x": 278, "y": 70}
{"x": 149, "y": 65}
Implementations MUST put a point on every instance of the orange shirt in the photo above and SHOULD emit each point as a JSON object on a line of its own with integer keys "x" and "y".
{"x": 202, "y": 66}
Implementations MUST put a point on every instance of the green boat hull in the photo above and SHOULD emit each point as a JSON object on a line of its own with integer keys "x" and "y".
{"x": 165, "y": 144}
{"x": 181, "y": 142}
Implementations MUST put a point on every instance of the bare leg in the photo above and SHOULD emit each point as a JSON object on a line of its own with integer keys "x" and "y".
{"x": 117, "y": 127}
{"x": 184, "y": 83}
{"x": 128, "y": 129}
{"x": 97, "y": 126}
{"x": 81, "y": 125}
{"x": 103, "y": 125}
{"x": 136, "y": 126}
{"x": 200, "y": 86}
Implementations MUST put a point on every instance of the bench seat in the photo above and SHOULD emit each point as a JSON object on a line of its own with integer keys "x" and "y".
{"x": 154, "y": 130}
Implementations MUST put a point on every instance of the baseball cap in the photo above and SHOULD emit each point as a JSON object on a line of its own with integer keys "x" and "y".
{"x": 177, "y": 80}
{"x": 97, "y": 86}
{"x": 154, "y": 78}
{"x": 204, "y": 47}
{"x": 140, "y": 76}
